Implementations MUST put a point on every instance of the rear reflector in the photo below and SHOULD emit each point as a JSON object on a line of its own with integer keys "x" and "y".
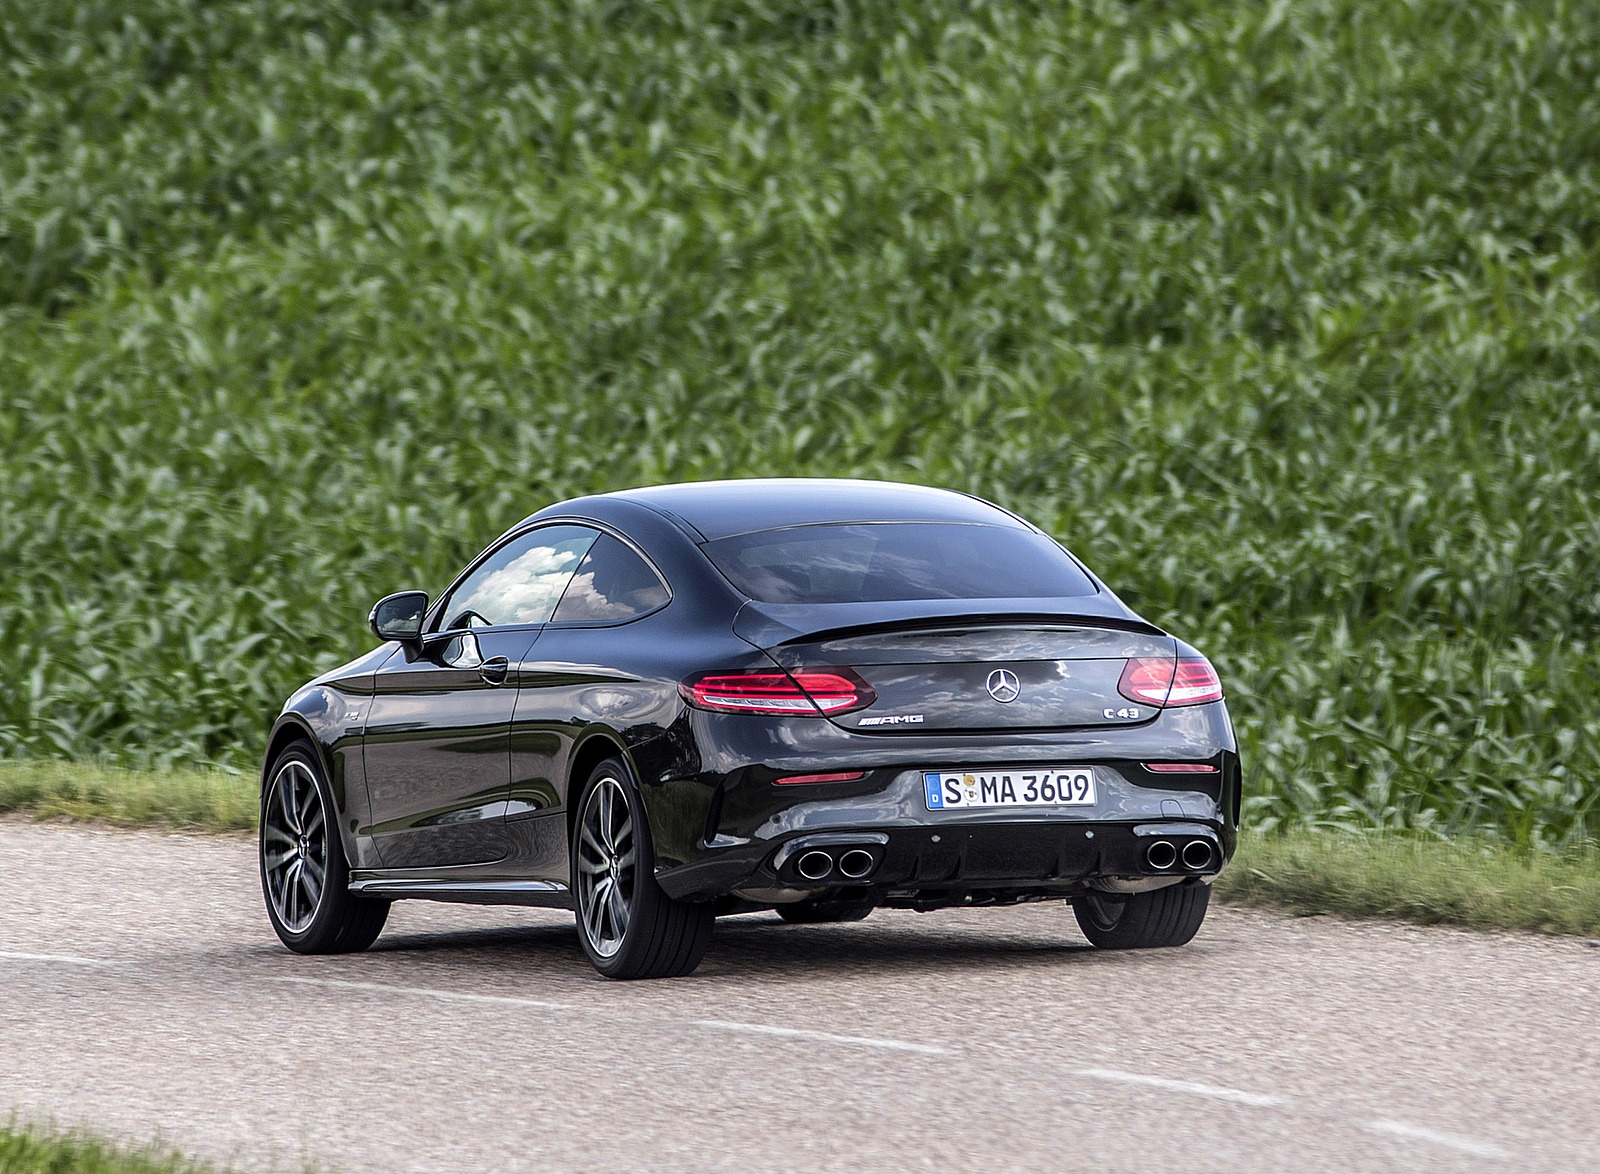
{"x": 1181, "y": 768}
{"x": 1188, "y": 680}
{"x": 804, "y": 693}
{"x": 838, "y": 776}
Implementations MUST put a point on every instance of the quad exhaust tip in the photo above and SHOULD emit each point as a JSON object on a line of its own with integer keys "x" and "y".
{"x": 1197, "y": 855}
{"x": 814, "y": 865}
{"x": 855, "y": 863}
{"x": 1161, "y": 855}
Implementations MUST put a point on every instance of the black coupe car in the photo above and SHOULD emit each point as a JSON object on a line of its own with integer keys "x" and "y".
{"x": 822, "y": 697}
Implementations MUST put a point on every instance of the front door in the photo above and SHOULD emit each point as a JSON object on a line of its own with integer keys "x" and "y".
{"x": 438, "y": 750}
{"x": 438, "y": 741}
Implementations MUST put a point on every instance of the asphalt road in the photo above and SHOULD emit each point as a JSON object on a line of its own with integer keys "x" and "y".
{"x": 143, "y": 995}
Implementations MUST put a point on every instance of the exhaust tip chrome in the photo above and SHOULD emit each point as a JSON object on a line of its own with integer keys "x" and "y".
{"x": 856, "y": 863}
{"x": 1197, "y": 854}
{"x": 1161, "y": 855}
{"x": 814, "y": 865}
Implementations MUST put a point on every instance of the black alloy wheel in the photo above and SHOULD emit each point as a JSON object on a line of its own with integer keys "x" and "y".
{"x": 629, "y": 927}
{"x": 1136, "y": 921}
{"x": 304, "y": 874}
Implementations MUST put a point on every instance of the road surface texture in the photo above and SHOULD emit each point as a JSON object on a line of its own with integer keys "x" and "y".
{"x": 142, "y": 995}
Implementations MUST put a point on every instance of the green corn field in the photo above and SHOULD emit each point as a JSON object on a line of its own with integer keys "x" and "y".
{"x": 1284, "y": 316}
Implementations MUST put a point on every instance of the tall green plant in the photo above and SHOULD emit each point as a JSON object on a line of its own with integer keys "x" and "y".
{"x": 1282, "y": 315}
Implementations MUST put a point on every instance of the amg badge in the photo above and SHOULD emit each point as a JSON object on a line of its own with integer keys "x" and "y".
{"x": 899, "y": 719}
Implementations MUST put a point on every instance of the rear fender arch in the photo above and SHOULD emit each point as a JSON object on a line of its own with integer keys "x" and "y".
{"x": 589, "y": 750}
{"x": 675, "y": 808}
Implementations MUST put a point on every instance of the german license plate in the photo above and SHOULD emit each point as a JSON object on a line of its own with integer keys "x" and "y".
{"x": 1035, "y": 786}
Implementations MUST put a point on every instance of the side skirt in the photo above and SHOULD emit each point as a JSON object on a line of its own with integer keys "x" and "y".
{"x": 538, "y": 893}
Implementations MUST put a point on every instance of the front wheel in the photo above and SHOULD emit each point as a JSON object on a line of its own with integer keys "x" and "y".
{"x": 304, "y": 875}
{"x": 629, "y": 927}
{"x": 1137, "y": 921}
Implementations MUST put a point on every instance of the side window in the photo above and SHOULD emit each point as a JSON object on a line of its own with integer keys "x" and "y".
{"x": 522, "y": 581}
{"x": 612, "y": 583}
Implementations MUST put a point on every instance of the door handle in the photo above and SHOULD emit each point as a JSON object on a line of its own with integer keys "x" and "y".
{"x": 495, "y": 670}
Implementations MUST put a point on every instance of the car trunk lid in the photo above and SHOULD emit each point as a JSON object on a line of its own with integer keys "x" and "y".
{"x": 967, "y": 669}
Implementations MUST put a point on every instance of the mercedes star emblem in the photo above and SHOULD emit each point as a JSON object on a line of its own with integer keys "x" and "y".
{"x": 1003, "y": 685}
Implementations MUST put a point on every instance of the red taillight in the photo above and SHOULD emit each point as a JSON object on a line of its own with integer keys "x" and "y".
{"x": 1155, "y": 680}
{"x": 838, "y": 776}
{"x": 1180, "y": 768}
{"x": 1147, "y": 679}
{"x": 1195, "y": 683}
{"x": 804, "y": 693}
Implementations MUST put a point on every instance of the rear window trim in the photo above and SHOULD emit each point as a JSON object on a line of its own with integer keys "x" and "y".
{"x": 999, "y": 525}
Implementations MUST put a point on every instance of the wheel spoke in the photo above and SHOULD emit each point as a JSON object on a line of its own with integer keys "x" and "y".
{"x": 275, "y": 834}
{"x": 595, "y": 913}
{"x": 276, "y": 860}
{"x": 607, "y": 816}
{"x": 619, "y": 910}
{"x": 310, "y": 804}
{"x": 315, "y": 869}
{"x": 291, "y": 894}
{"x": 588, "y": 840}
{"x": 291, "y": 818}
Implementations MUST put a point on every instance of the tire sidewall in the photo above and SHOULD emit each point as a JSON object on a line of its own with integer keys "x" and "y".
{"x": 1105, "y": 911}
{"x": 1161, "y": 918}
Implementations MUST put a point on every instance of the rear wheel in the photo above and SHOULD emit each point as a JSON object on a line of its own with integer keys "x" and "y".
{"x": 304, "y": 875}
{"x": 629, "y": 927}
{"x": 1136, "y": 921}
{"x": 824, "y": 912}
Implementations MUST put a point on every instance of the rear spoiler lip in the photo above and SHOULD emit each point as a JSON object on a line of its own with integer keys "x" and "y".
{"x": 769, "y": 626}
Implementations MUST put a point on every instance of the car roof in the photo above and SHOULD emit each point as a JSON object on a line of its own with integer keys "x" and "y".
{"x": 722, "y": 509}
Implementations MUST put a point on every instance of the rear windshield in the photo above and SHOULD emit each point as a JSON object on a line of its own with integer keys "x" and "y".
{"x": 867, "y": 562}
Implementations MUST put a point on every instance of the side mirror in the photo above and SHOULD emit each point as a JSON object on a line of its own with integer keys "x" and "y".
{"x": 399, "y": 616}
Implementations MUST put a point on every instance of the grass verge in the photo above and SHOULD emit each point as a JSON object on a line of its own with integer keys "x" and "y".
{"x": 1468, "y": 882}
{"x": 205, "y": 800}
{"x": 1462, "y": 882}
{"x": 35, "y": 1151}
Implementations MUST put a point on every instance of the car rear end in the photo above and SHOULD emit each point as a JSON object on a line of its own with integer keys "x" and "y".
{"x": 1012, "y": 732}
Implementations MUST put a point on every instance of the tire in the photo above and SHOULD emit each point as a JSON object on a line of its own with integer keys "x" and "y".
{"x": 629, "y": 927}
{"x": 1138, "y": 921}
{"x": 824, "y": 912}
{"x": 311, "y": 913}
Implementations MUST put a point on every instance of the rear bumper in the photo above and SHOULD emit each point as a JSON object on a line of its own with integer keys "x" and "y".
{"x": 721, "y": 828}
{"x": 952, "y": 863}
